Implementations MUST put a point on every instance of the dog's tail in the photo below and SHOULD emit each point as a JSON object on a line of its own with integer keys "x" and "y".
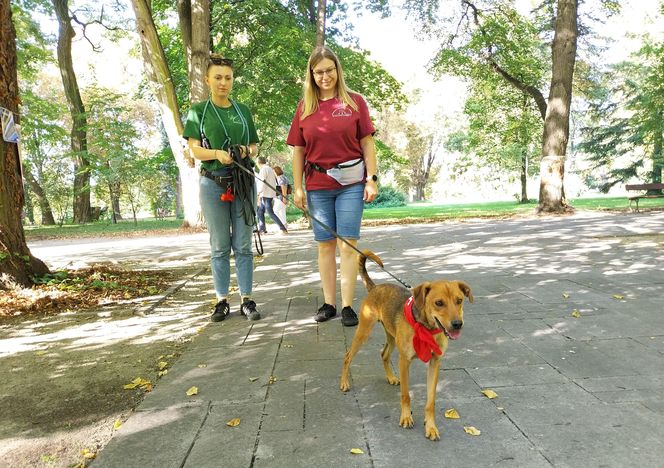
{"x": 362, "y": 260}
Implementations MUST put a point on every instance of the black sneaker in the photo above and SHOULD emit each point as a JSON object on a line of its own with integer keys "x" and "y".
{"x": 348, "y": 317}
{"x": 221, "y": 311}
{"x": 326, "y": 312}
{"x": 248, "y": 309}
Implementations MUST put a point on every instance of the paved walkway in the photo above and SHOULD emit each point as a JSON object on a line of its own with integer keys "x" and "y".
{"x": 581, "y": 392}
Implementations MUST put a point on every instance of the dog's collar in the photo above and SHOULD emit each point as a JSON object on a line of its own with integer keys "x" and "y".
{"x": 424, "y": 341}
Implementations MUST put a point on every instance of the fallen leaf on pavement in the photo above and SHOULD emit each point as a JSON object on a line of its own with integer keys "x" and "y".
{"x": 576, "y": 313}
{"x": 233, "y": 422}
{"x": 272, "y": 380}
{"x": 192, "y": 391}
{"x": 117, "y": 424}
{"x": 490, "y": 394}
{"x": 162, "y": 373}
{"x": 288, "y": 346}
{"x": 202, "y": 365}
{"x": 253, "y": 379}
{"x": 472, "y": 430}
{"x": 566, "y": 296}
{"x": 618, "y": 296}
{"x": 452, "y": 414}
{"x": 356, "y": 451}
{"x": 87, "y": 453}
{"x": 162, "y": 365}
{"x": 40, "y": 353}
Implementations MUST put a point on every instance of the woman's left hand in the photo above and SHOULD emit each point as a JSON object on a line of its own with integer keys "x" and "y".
{"x": 370, "y": 191}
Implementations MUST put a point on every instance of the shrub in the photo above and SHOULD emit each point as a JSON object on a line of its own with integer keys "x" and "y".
{"x": 388, "y": 197}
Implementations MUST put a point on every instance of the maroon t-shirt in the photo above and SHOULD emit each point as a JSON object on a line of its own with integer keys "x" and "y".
{"x": 330, "y": 136}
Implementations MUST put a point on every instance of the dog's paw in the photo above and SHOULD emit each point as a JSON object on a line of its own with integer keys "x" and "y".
{"x": 344, "y": 386}
{"x": 393, "y": 380}
{"x": 431, "y": 431}
{"x": 406, "y": 421}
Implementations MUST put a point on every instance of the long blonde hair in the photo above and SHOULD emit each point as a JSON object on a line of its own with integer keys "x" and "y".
{"x": 311, "y": 92}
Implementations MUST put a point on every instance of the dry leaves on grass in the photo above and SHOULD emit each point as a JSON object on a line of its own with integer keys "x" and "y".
{"x": 81, "y": 289}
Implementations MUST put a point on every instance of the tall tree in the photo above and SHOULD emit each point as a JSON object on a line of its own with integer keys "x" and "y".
{"x": 17, "y": 265}
{"x": 556, "y": 121}
{"x": 79, "y": 144}
{"x": 159, "y": 74}
{"x": 625, "y": 124}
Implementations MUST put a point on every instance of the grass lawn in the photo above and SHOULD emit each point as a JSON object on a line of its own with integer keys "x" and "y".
{"x": 413, "y": 211}
{"x": 101, "y": 228}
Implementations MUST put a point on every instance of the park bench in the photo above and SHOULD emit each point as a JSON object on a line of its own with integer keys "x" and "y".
{"x": 648, "y": 194}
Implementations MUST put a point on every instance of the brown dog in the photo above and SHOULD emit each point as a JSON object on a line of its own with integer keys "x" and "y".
{"x": 437, "y": 308}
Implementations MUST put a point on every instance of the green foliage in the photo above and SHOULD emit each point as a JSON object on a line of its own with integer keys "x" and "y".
{"x": 32, "y": 45}
{"x": 269, "y": 42}
{"x": 624, "y": 127}
{"x": 388, "y": 197}
{"x": 390, "y": 160}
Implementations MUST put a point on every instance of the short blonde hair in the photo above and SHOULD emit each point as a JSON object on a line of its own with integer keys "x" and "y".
{"x": 311, "y": 93}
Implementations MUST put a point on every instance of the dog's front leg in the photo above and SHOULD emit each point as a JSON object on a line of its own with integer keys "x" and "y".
{"x": 430, "y": 429}
{"x": 406, "y": 419}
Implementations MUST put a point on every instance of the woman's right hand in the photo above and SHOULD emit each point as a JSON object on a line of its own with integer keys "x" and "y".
{"x": 299, "y": 199}
{"x": 223, "y": 157}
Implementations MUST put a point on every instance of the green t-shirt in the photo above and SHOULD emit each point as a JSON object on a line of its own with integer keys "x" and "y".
{"x": 214, "y": 131}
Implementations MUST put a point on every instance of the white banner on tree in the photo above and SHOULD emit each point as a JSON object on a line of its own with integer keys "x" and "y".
{"x": 9, "y": 128}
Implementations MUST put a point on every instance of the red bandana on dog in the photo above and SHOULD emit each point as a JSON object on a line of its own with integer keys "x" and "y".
{"x": 423, "y": 340}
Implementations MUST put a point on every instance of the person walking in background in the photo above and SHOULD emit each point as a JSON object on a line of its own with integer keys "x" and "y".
{"x": 332, "y": 139}
{"x": 212, "y": 127}
{"x": 267, "y": 179}
{"x": 281, "y": 200}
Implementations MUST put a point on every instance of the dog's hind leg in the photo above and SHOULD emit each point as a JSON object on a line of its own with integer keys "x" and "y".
{"x": 430, "y": 429}
{"x": 387, "y": 363}
{"x": 367, "y": 322}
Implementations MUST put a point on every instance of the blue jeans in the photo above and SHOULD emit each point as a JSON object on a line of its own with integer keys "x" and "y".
{"x": 340, "y": 209}
{"x": 266, "y": 205}
{"x": 227, "y": 229}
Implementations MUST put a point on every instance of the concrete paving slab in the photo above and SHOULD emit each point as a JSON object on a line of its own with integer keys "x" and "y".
{"x": 157, "y": 437}
{"x": 218, "y": 444}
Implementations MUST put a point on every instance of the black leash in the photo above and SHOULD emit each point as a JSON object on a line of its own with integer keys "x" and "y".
{"x": 235, "y": 152}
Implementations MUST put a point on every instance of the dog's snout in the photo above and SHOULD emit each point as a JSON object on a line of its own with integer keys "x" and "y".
{"x": 457, "y": 324}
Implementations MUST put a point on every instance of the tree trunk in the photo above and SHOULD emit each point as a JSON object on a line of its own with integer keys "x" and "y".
{"x": 17, "y": 265}
{"x": 657, "y": 156}
{"x": 320, "y": 23}
{"x": 556, "y": 123}
{"x": 79, "y": 143}
{"x": 47, "y": 218}
{"x": 524, "y": 177}
{"x": 160, "y": 76}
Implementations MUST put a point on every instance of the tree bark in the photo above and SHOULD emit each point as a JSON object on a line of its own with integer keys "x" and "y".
{"x": 160, "y": 76}
{"x": 556, "y": 124}
{"x": 17, "y": 265}
{"x": 79, "y": 143}
{"x": 657, "y": 155}
{"x": 524, "y": 177}
{"x": 47, "y": 218}
{"x": 320, "y": 23}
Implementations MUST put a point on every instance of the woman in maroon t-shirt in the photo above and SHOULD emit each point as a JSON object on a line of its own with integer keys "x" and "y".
{"x": 332, "y": 129}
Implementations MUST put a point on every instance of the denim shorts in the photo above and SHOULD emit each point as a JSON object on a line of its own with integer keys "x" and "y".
{"x": 340, "y": 209}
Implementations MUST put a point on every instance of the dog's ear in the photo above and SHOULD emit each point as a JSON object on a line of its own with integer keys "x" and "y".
{"x": 465, "y": 288}
{"x": 420, "y": 294}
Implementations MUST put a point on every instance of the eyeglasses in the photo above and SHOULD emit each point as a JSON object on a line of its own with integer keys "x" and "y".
{"x": 329, "y": 72}
{"x": 221, "y": 61}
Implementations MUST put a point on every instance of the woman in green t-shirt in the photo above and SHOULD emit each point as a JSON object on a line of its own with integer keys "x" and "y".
{"x": 212, "y": 127}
